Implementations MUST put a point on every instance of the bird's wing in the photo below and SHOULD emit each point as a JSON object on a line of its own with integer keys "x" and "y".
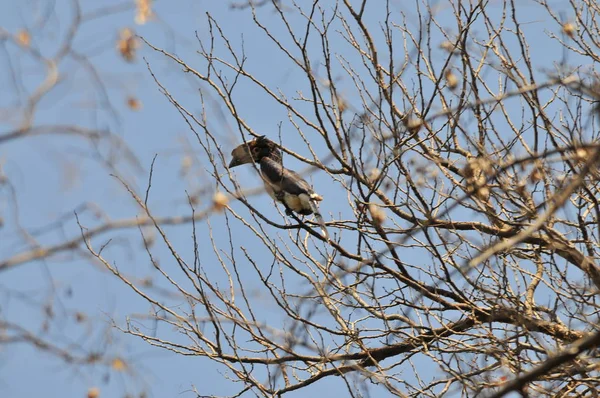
{"x": 289, "y": 182}
{"x": 293, "y": 183}
{"x": 283, "y": 179}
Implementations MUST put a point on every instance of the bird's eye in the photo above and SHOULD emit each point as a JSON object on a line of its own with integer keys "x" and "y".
{"x": 255, "y": 149}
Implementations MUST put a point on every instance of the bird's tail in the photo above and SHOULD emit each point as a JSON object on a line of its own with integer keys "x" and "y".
{"x": 314, "y": 198}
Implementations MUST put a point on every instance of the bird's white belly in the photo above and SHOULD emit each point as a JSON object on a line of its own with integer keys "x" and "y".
{"x": 298, "y": 203}
{"x": 293, "y": 202}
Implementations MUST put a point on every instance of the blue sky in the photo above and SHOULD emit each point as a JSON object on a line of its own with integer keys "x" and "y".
{"x": 53, "y": 175}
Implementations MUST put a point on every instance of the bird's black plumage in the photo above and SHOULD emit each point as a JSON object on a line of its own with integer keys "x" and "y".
{"x": 283, "y": 185}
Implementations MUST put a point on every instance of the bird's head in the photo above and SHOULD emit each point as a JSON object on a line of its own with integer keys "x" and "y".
{"x": 254, "y": 151}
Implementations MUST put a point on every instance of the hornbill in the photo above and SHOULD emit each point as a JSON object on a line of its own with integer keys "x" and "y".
{"x": 283, "y": 185}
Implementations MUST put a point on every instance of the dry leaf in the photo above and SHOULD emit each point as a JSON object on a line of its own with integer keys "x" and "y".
{"x": 569, "y": 29}
{"x": 93, "y": 392}
{"x": 374, "y": 174}
{"x": 449, "y": 46}
{"x": 342, "y": 104}
{"x": 377, "y": 214}
{"x": 143, "y": 11}
{"x": 134, "y": 104}
{"x": 127, "y": 44}
{"x": 316, "y": 196}
{"x": 80, "y": 317}
{"x": 118, "y": 364}
{"x": 147, "y": 282}
{"x": 186, "y": 165}
{"x": 451, "y": 79}
{"x": 414, "y": 125}
{"x": 475, "y": 173}
{"x": 23, "y": 38}
{"x": 581, "y": 155}
{"x": 536, "y": 175}
{"x": 220, "y": 201}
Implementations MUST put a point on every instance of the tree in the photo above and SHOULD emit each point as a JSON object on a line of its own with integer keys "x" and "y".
{"x": 69, "y": 94}
{"x": 455, "y": 148}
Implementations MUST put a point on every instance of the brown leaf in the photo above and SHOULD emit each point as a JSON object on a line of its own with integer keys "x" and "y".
{"x": 118, "y": 365}
{"x": 451, "y": 79}
{"x": 23, "y": 38}
{"x": 569, "y": 29}
{"x": 220, "y": 201}
{"x": 127, "y": 44}
{"x": 93, "y": 392}
{"x": 143, "y": 11}
{"x": 134, "y": 104}
{"x": 377, "y": 214}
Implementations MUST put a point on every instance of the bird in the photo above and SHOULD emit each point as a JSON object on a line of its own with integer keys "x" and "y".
{"x": 283, "y": 185}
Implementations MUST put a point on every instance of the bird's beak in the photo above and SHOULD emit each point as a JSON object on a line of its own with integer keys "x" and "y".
{"x": 234, "y": 162}
{"x": 240, "y": 155}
